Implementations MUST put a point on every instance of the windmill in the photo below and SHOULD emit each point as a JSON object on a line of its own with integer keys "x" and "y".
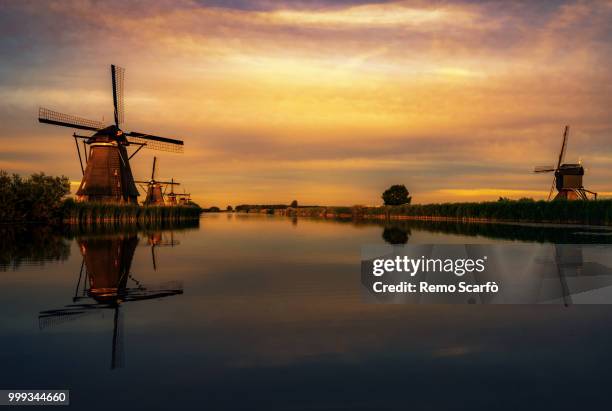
{"x": 154, "y": 188}
{"x": 107, "y": 176}
{"x": 107, "y": 285}
{"x": 172, "y": 195}
{"x": 567, "y": 178}
{"x": 184, "y": 198}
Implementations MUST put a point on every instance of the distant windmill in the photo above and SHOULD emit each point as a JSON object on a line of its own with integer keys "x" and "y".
{"x": 184, "y": 198}
{"x": 567, "y": 178}
{"x": 154, "y": 188}
{"x": 172, "y": 195}
{"x": 107, "y": 176}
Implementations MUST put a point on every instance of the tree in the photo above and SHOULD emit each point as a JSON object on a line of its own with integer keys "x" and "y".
{"x": 36, "y": 198}
{"x": 294, "y": 204}
{"x": 229, "y": 209}
{"x": 396, "y": 195}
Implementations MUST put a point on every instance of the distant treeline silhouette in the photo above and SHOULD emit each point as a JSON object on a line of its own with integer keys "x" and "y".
{"x": 592, "y": 212}
{"x": 36, "y": 198}
{"x": 257, "y": 207}
{"x": 524, "y": 210}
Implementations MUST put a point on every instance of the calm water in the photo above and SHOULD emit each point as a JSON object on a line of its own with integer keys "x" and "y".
{"x": 261, "y": 312}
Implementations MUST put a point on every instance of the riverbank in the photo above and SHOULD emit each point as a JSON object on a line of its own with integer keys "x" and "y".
{"x": 596, "y": 212}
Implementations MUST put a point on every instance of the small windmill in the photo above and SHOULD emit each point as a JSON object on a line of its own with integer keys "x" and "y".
{"x": 567, "y": 178}
{"x": 184, "y": 198}
{"x": 172, "y": 195}
{"x": 154, "y": 188}
{"x": 107, "y": 176}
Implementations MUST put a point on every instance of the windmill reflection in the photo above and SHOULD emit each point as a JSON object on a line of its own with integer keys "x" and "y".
{"x": 105, "y": 282}
{"x": 160, "y": 239}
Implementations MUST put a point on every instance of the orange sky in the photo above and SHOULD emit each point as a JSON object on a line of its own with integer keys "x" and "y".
{"x": 326, "y": 102}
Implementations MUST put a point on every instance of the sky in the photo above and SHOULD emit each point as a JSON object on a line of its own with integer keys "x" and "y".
{"x": 328, "y": 101}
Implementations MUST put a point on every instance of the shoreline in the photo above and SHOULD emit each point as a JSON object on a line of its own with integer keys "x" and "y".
{"x": 560, "y": 213}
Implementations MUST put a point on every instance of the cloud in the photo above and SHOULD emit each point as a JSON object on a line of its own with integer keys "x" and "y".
{"x": 338, "y": 98}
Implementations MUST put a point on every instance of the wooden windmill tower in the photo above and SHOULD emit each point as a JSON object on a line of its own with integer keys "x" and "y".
{"x": 107, "y": 176}
{"x": 567, "y": 178}
{"x": 154, "y": 188}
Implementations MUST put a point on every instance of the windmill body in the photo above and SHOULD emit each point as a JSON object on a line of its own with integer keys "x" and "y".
{"x": 108, "y": 264}
{"x": 567, "y": 178}
{"x": 568, "y": 182}
{"x": 107, "y": 176}
{"x": 155, "y": 195}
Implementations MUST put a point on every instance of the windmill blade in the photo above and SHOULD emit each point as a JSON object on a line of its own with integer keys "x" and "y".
{"x": 153, "y": 257}
{"x": 168, "y": 183}
{"x": 155, "y": 142}
{"x": 66, "y": 120}
{"x": 552, "y": 187}
{"x": 118, "y": 357}
{"x": 544, "y": 169}
{"x": 117, "y": 75}
{"x": 153, "y": 171}
{"x": 563, "y": 146}
{"x": 147, "y": 293}
{"x": 51, "y": 318}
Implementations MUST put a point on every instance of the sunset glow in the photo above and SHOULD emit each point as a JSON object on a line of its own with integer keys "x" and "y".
{"x": 328, "y": 103}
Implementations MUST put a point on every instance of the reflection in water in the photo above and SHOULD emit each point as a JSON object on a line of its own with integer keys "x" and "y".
{"x": 273, "y": 304}
{"x": 557, "y": 234}
{"x": 31, "y": 244}
{"x": 395, "y": 234}
{"x": 37, "y": 244}
{"x": 105, "y": 282}
{"x": 160, "y": 239}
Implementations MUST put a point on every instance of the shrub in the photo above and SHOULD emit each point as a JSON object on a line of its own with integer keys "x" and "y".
{"x": 36, "y": 198}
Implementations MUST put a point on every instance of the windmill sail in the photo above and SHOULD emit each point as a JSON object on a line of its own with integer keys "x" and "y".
{"x": 563, "y": 147}
{"x": 66, "y": 120}
{"x": 118, "y": 354}
{"x": 544, "y": 169}
{"x": 117, "y": 75}
{"x": 155, "y": 142}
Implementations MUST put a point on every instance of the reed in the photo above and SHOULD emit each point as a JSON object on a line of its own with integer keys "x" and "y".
{"x": 101, "y": 214}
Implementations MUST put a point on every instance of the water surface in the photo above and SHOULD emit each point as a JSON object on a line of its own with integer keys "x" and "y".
{"x": 249, "y": 311}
